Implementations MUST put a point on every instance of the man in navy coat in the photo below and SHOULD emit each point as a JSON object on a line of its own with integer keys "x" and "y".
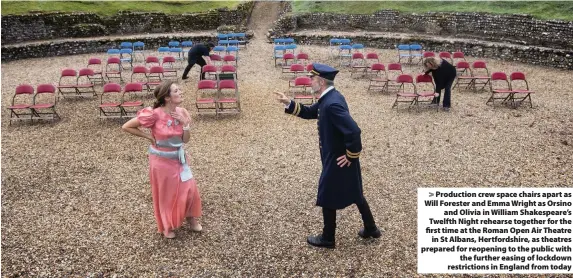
{"x": 340, "y": 183}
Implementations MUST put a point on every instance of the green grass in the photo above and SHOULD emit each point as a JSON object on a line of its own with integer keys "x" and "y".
{"x": 538, "y": 9}
{"x": 112, "y": 7}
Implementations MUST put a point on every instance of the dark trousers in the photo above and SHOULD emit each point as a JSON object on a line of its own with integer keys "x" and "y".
{"x": 447, "y": 94}
{"x": 200, "y": 61}
{"x": 329, "y": 216}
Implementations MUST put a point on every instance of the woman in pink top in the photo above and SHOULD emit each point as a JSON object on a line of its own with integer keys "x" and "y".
{"x": 175, "y": 192}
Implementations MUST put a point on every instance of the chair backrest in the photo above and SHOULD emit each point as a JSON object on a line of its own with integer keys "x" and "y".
{"x": 68, "y": 72}
{"x": 429, "y": 54}
{"x": 176, "y": 49}
{"x": 113, "y": 51}
{"x": 227, "y": 84}
{"x": 133, "y": 87}
{"x": 139, "y": 69}
{"x": 479, "y": 65}
{"x": 334, "y": 41}
{"x": 498, "y": 75}
{"x": 125, "y": 51}
{"x": 357, "y": 55}
{"x": 94, "y": 61}
{"x": 232, "y": 49}
{"x": 462, "y": 65}
{"x": 280, "y": 48}
{"x": 86, "y": 72}
{"x": 302, "y": 56}
{"x": 173, "y": 44}
{"x": 345, "y": 41}
{"x": 111, "y": 88}
{"x": 156, "y": 69}
{"x": 459, "y": 55}
{"x": 24, "y": 89}
{"x": 395, "y": 66}
{"x": 302, "y": 81}
{"x": 187, "y": 44}
{"x": 404, "y": 78}
{"x": 151, "y": 59}
{"x": 113, "y": 60}
{"x": 309, "y": 67}
{"x": 228, "y": 68}
{"x": 372, "y": 55}
{"x": 415, "y": 47}
{"x": 445, "y": 55}
{"x": 215, "y": 57}
{"x": 169, "y": 59}
{"x": 126, "y": 45}
{"x": 289, "y": 56}
{"x": 345, "y": 47}
{"x": 378, "y": 67}
{"x": 222, "y": 36}
{"x": 138, "y": 45}
{"x": 517, "y": 75}
{"x": 423, "y": 78}
{"x": 209, "y": 68}
{"x": 357, "y": 46}
{"x": 207, "y": 84}
{"x": 404, "y": 47}
{"x": 229, "y": 58}
{"x": 219, "y": 48}
{"x": 163, "y": 49}
{"x": 296, "y": 67}
{"x": 45, "y": 89}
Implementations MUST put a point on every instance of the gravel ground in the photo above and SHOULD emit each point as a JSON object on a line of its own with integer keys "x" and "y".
{"x": 76, "y": 199}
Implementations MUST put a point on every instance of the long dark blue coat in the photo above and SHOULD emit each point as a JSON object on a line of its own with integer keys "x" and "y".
{"x": 338, "y": 135}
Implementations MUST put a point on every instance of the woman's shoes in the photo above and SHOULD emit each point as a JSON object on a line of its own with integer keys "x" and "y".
{"x": 169, "y": 234}
{"x": 194, "y": 224}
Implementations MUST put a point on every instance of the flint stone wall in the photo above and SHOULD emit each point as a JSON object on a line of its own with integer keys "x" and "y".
{"x": 543, "y": 56}
{"x": 516, "y": 29}
{"x": 47, "y": 26}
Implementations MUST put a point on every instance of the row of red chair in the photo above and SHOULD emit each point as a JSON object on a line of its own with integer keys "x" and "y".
{"x": 114, "y": 102}
{"x": 30, "y": 104}
{"x": 218, "y": 96}
{"x": 510, "y": 92}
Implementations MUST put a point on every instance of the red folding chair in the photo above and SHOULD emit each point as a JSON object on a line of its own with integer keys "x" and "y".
{"x": 210, "y": 71}
{"x": 45, "y": 100}
{"x": 110, "y": 107}
{"x": 520, "y": 93}
{"x": 68, "y": 82}
{"x": 113, "y": 69}
{"x": 300, "y": 88}
{"x": 96, "y": 65}
{"x": 458, "y": 55}
{"x": 480, "y": 75}
{"x": 302, "y": 58}
{"x": 372, "y": 58}
{"x": 464, "y": 75}
{"x": 130, "y": 107}
{"x": 139, "y": 75}
{"x": 22, "y": 107}
{"x": 216, "y": 60}
{"x": 155, "y": 77}
{"x": 228, "y": 102}
{"x": 404, "y": 96}
{"x": 428, "y": 54}
{"x": 309, "y": 67}
{"x": 502, "y": 91}
{"x": 294, "y": 69}
{"x": 379, "y": 82}
{"x": 425, "y": 89}
{"x": 84, "y": 84}
{"x": 394, "y": 70}
{"x": 169, "y": 64}
{"x": 206, "y": 96}
{"x": 230, "y": 69}
{"x": 358, "y": 64}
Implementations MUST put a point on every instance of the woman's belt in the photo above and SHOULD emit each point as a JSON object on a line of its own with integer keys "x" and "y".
{"x": 179, "y": 154}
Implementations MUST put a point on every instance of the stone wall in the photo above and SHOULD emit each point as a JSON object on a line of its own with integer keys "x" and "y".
{"x": 543, "y": 56}
{"x": 31, "y": 27}
{"x": 516, "y": 29}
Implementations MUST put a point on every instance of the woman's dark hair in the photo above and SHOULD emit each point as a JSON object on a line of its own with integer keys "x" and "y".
{"x": 161, "y": 92}
{"x": 211, "y": 45}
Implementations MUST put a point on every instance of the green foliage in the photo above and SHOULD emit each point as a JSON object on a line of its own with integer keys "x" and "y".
{"x": 112, "y": 7}
{"x": 538, "y": 9}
